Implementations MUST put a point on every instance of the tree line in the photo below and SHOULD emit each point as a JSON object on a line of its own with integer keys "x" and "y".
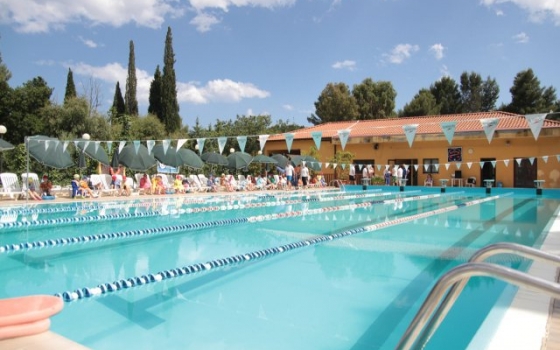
{"x": 376, "y": 100}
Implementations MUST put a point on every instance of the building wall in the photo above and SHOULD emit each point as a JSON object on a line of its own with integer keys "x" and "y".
{"x": 474, "y": 149}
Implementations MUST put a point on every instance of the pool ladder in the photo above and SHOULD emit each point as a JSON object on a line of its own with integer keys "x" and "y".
{"x": 430, "y": 315}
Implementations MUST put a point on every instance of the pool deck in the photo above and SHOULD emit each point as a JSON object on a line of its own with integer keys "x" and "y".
{"x": 532, "y": 322}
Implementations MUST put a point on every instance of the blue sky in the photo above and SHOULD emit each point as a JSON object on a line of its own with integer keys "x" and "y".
{"x": 241, "y": 57}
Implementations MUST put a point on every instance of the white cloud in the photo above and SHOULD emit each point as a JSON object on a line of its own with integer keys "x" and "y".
{"x": 288, "y": 107}
{"x": 444, "y": 70}
{"x": 521, "y": 38}
{"x": 437, "y": 50}
{"x": 219, "y": 90}
{"x": 204, "y": 21}
{"x": 88, "y": 43}
{"x": 225, "y": 4}
{"x": 346, "y": 64}
{"x": 538, "y": 9}
{"x": 39, "y": 16}
{"x": 500, "y": 13}
{"x": 400, "y": 53}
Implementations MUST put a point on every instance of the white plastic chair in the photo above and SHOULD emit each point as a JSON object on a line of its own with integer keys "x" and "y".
{"x": 11, "y": 186}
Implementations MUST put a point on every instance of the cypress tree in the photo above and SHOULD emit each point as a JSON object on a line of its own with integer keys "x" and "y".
{"x": 70, "y": 87}
{"x": 118, "y": 107}
{"x": 155, "y": 96}
{"x": 130, "y": 100}
{"x": 169, "y": 104}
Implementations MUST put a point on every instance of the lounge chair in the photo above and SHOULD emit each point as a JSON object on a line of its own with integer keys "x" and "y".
{"x": 471, "y": 182}
{"x": 103, "y": 184}
{"x": 11, "y": 186}
{"x": 197, "y": 185}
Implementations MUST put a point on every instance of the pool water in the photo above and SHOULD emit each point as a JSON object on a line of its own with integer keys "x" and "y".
{"x": 301, "y": 270}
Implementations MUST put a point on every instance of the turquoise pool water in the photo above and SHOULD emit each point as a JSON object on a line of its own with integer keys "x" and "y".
{"x": 331, "y": 270}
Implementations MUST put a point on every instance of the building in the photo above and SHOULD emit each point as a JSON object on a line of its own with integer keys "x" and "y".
{"x": 511, "y": 149}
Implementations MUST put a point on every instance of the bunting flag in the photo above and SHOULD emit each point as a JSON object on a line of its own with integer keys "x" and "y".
{"x": 149, "y": 144}
{"x": 200, "y": 143}
{"x": 343, "y": 165}
{"x": 64, "y": 146}
{"x": 545, "y": 159}
{"x": 469, "y": 164}
{"x": 437, "y": 167}
{"x": 448, "y": 129}
{"x": 289, "y": 136}
{"x": 481, "y": 164}
{"x": 558, "y": 157}
{"x": 410, "y": 132}
{"x": 489, "y": 126}
{"x": 535, "y": 122}
{"x": 378, "y": 167}
{"x": 242, "y": 141}
{"x": 262, "y": 140}
{"x": 518, "y": 160}
{"x": 109, "y": 146}
{"x": 426, "y": 166}
{"x": 320, "y": 164}
{"x": 121, "y": 145}
{"x": 343, "y": 135}
{"x": 180, "y": 143}
{"x": 531, "y": 160}
{"x": 506, "y": 162}
{"x": 416, "y": 167}
{"x": 446, "y": 166}
{"x": 327, "y": 165}
{"x": 493, "y": 163}
{"x": 86, "y": 144}
{"x": 222, "y": 143}
{"x": 97, "y": 143}
{"x": 334, "y": 165}
{"x": 165, "y": 144}
{"x": 136, "y": 144}
{"x": 458, "y": 165}
{"x": 317, "y": 135}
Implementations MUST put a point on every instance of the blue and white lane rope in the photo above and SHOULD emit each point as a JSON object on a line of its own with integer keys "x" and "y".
{"x": 131, "y": 282}
{"x": 174, "y": 211}
{"x": 26, "y": 246}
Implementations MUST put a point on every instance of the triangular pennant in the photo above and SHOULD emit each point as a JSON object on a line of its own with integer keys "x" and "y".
{"x": 535, "y": 122}
{"x": 165, "y": 144}
{"x": 47, "y": 144}
{"x": 200, "y": 144}
{"x": 506, "y": 162}
{"x": 378, "y": 167}
{"x": 469, "y": 164}
{"x": 545, "y": 158}
{"x": 334, "y": 165}
{"x": 121, "y": 145}
{"x": 181, "y": 142}
{"x": 448, "y": 130}
{"x": 343, "y": 166}
{"x": 531, "y": 160}
{"x": 437, "y": 167}
{"x": 406, "y": 166}
{"x": 242, "y": 141}
{"x": 415, "y": 167}
{"x": 97, "y": 143}
{"x": 136, "y": 146}
{"x": 289, "y": 136}
{"x": 343, "y": 135}
{"x": 86, "y": 144}
{"x": 410, "y": 132}
{"x": 319, "y": 163}
{"x": 65, "y": 145}
{"x": 426, "y": 166}
{"x": 446, "y": 166}
{"x": 493, "y": 163}
{"x": 327, "y": 165}
{"x": 518, "y": 160}
{"x": 150, "y": 144}
{"x": 222, "y": 143}
{"x": 262, "y": 140}
{"x": 458, "y": 165}
{"x": 317, "y": 135}
{"x": 109, "y": 146}
{"x": 481, "y": 164}
{"x": 489, "y": 126}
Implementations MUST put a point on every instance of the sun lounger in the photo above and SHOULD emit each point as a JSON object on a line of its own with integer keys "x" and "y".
{"x": 11, "y": 186}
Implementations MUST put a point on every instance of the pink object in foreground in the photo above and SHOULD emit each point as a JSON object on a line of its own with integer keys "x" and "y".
{"x": 27, "y": 315}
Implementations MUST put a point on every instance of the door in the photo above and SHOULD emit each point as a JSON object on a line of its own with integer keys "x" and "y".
{"x": 524, "y": 173}
{"x": 488, "y": 171}
{"x": 411, "y": 173}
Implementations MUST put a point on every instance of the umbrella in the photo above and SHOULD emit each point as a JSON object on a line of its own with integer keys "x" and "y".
{"x": 48, "y": 151}
{"x": 261, "y": 158}
{"x": 5, "y": 145}
{"x": 238, "y": 160}
{"x": 177, "y": 158}
{"x": 93, "y": 150}
{"x": 138, "y": 161}
{"x": 281, "y": 159}
{"x": 115, "y": 159}
{"x": 214, "y": 158}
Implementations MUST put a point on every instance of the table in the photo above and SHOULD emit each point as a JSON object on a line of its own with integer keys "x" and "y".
{"x": 539, "y": 183}
{"x": 456, "y": 181}
{"x": 489, "y": 183}
{"x": 402, "y": 182}
{"x": 443, "y": 182}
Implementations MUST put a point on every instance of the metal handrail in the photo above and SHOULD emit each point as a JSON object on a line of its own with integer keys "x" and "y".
{"x": 428, "y": 318}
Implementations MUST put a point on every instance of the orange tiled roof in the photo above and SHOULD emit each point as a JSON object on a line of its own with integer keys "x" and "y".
{"x": 468, "y": 122}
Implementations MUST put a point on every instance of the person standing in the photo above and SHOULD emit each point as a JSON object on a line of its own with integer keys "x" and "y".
{"x": 352, "y": 174}
{"x": 387, "y": 177}
{"x": 304, "y": 175}
{"x": 399, "y": 175}
{"x": 289, "y": 174}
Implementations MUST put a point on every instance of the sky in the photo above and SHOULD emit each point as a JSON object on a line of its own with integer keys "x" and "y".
{"x": 274, "y": 57}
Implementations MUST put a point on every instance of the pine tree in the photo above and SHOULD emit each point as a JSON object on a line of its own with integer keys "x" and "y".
{"x": 155, "y": 96}
{"x": 70, "y": 87}
{"x": 130, "y": 100}
{"x": 118, "y": 109}
{"x": 169, "y": 104}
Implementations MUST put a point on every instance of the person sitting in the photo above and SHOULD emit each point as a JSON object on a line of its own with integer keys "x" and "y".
{"x": 46, "y": 186}
{"x": 261, "y": 183}
{"x": 125, "y": 189}
{"x": 75, "y": 186}
{"x": 85, "y": 189}
{"x": 32, "y": 191}
{"x": 178, "y": 184}
{"x": 157, "y": 185}
{"x": 186, "y": 185}
{"x": 145, "y": 184}
{"x": 211, "y": 184}
{"x": 429, "y": 180}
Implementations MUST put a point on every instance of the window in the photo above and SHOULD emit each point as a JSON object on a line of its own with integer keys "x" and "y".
{"x": 431, "y": 165}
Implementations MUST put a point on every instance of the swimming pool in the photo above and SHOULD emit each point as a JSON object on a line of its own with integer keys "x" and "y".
{"x": 302, "y": 270}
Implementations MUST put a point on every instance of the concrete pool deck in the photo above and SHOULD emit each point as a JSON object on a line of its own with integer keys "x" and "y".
{"x": 532, "y": 320}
